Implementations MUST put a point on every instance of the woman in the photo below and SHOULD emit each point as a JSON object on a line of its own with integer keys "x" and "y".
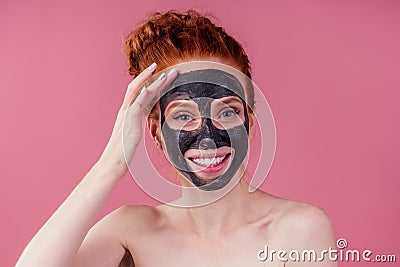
{"x": 231, "y": 231}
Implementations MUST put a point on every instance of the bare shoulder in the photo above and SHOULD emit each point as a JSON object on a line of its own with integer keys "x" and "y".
{"x": 135, "y": 210}
{"x": 111, "y": 235}
{"x": 289, "y": 212}
{"x": 129, "y": 220}
{"x": 302, "y": 214}
{"x": 134, "y": 218}
{"x": 301, "y": 224}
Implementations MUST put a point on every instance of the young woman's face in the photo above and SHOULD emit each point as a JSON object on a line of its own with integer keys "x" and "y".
{"x": 205, "y": 129}
{"x": 207, "y": 151}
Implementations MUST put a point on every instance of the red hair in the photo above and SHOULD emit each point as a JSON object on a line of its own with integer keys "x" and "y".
{"x": 168, "y": 38}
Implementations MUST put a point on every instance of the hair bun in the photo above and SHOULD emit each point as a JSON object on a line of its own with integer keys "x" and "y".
{"x": 168, "y": 38}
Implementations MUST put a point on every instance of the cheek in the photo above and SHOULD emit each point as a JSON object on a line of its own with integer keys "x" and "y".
{"x": 169, "y": 136}
{"x": 239, "y": 139}
{"x": 238, "y": 133}
{"x": 185, "y": 139}
{"x": 177, "y": 142}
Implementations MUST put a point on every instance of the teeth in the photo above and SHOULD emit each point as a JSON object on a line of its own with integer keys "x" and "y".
{"x": 208, "y": 161}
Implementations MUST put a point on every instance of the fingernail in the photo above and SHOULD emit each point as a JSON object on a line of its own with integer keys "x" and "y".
{"x": 152, "y": 67}
{"x": 171, "y": 72}
{"x": 143, "y": 89}
{"x": 251, "y": 189}
{"x": 161, "y": 76}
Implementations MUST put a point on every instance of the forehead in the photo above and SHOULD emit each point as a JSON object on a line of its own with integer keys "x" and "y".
{"x": 198, "y": 90}
{"x": 205, "y": 83}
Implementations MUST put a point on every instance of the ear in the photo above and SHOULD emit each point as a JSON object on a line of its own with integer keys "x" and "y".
{"x": 252, "y": 119}
{"x": 153, "y": 125}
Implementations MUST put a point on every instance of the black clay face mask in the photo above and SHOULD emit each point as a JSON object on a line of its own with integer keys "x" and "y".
{"x": 203, "y": 119}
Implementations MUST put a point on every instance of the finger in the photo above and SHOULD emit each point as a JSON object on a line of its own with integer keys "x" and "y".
{"x": 171, "y": 75}
{"x": 140, "y": 102}
{"x": 136, "y": 83}
{"x": 147, "y": 99}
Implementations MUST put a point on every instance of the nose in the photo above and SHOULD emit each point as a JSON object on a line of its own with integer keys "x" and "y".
{"x": 206, "y": 134}
{"x": 207, "y": 143}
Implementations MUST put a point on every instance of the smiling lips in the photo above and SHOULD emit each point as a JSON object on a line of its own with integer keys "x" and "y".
{"x": 207, "y": 162}
{"x": 211, "y": 163}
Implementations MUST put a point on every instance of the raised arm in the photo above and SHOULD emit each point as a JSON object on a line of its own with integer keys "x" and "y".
{"x": 58, "y": 241}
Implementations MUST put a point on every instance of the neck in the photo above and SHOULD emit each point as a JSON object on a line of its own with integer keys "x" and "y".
{"x": 225, "y": 214}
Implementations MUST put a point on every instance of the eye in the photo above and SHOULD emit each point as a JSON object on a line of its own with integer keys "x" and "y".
{"x": 183, "y": 117}
{"x": 229, "y": 113}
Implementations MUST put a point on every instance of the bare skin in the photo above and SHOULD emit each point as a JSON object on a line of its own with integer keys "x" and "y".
{"x": 228, "y": 232}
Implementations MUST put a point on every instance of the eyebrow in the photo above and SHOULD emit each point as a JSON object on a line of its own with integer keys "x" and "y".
{"x": 230, "y": 99}
{"x": 180, "y": 103}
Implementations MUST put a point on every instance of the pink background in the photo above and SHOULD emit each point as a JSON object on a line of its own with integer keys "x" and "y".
{"x": 329, "y": 69}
